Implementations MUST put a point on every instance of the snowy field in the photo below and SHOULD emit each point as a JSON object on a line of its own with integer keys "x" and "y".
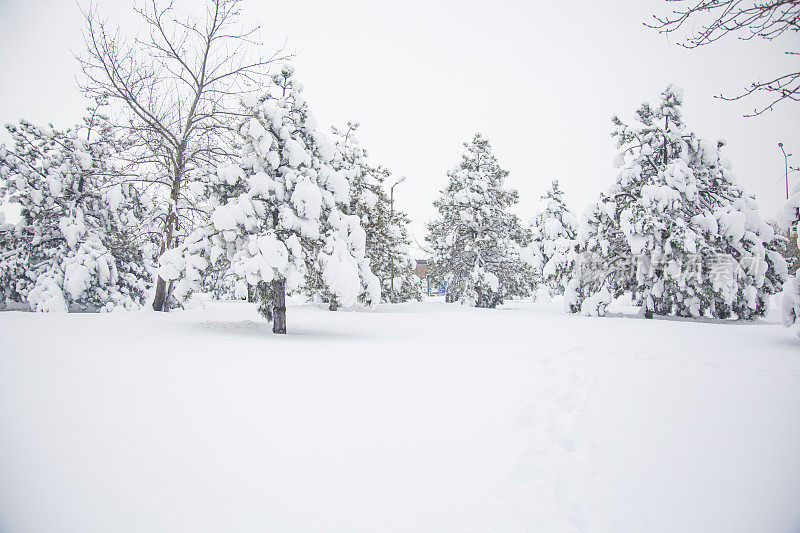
{"x": 413, "y": 417}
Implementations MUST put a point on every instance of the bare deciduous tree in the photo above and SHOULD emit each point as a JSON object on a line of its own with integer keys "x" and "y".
{"x": 746, "y": 19}
{"x": 174, "y": 86}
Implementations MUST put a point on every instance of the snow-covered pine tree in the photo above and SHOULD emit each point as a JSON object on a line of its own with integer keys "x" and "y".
{"x": 553, "y": 241}
{"x": 675, "y": 230}
{"x": 476, "y": 242}
{"x": 277, "y": 213}
{"x": 76, "y": 246}
{"x": 388, "y": 242}
{"x": 13, "y": 259}
{"x": 789, "y": 218}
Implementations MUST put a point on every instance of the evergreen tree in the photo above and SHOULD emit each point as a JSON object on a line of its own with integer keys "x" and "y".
{"x": 553, "y": 246}
{"x": 477, "y": 243}
{"x": 76, "y": 246}
{"x": 675, "y": 230}
{"x": 277, "y": 214}
{"x": 387, "y": 244}
{"x": 789, "y": 218}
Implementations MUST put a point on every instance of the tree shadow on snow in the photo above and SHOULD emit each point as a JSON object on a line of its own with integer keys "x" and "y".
{"x": 788, "y": 340}
{"x": 263, "y": 330}
{"x": 698, "y": 320}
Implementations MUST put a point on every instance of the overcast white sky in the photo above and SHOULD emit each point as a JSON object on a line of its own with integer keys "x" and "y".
{"x": 539, "y": 79}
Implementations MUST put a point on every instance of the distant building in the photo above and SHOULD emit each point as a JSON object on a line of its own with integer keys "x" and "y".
{"x": 421, "y": 270}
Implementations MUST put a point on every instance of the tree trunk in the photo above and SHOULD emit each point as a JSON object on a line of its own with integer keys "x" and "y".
{"x": 160, "y": 298}
{"x": 279, "y": 306}
{"x": 169, "y": 295}
{"x": 161, "y": 295}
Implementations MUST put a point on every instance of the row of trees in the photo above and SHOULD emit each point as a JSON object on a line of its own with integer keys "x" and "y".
{"x": 195, "y": 170}
{"x": 675, "y": 230}
{"x": 294, "y": 210}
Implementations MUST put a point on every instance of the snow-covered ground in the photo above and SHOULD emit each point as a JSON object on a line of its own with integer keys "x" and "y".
{"x": 413, "y": 417}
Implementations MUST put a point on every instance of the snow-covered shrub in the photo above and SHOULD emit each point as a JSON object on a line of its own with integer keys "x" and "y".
{"x": 676, "y": 230}
{"x": 277, "y": 213}
{"x": 477, "y": 243}
{"x": 553, "y": 241}
{"x": 75, "y": 246}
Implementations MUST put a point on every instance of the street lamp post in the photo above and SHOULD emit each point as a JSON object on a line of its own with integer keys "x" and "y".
{"x": 400, "y": 180}
{"x": 786, "y": 171}
{"x": 786, "y": 167}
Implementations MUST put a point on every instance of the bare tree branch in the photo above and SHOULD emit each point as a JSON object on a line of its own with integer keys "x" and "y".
{"x": 746, "y": 19}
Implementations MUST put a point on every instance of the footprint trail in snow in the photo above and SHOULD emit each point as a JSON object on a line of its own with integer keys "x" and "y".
{"x": 554, "y": 477}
